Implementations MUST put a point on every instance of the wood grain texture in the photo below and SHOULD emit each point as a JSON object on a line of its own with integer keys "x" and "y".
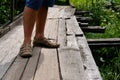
{"x": 90, "y": 66}
{"x": 62, "y": 33}
{"x": 73, "y": 27}
{"x": 69, "y": 56}
{"x": 30, "y": 69}
{"x": 70, "y": 64}
{"x": 16, "y": 70}
{"x": 61, "y": 12}
{"x": 9, "y": 47}
{"x": 71, "y": 42}
{"x": 69, "y": 25}
{"x": 47, "y": 68}
{"x": 76, "y": 27}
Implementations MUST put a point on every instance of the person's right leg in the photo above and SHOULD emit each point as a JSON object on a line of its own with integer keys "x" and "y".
{"x": 29, "y": 20}
{"x": 28, "y": 23}
{"x": 30, "y": 11}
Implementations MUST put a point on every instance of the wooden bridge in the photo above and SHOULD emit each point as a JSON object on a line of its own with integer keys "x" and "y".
{"x": 72, "y": 61}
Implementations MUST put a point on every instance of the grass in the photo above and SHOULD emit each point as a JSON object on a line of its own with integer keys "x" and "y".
{"x": 108, "y": 60}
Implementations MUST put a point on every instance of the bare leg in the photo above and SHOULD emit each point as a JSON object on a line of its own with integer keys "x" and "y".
{"x": 40, "y": 22}
{"x": 29, "y": 20}
{"x": 39, "y": 40}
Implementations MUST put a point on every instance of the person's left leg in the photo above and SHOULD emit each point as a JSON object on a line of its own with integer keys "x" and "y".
{"x": 41, "y": 18}
{"x": 39, "y": 39}
{"x": 40, "y": 22}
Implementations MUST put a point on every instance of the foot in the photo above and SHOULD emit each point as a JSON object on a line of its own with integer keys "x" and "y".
{"x": 25, "y": 51}
{"x": 45, "y": 43}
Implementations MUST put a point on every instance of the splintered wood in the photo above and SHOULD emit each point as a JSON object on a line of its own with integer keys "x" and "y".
{"x": 71, "y": 61}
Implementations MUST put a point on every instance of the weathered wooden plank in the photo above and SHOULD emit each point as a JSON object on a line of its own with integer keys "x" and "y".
{"x": 54, "y": 12}
{"x": 71, "y": 42}
{"x": 61, "y": 12}
{"x": 108, "y": 42}
{"x": 81, "y": 12}
{"x": 30, "y": 69}
{"x": 94, "y": 29}
{"x": 16, "y": 70}
{"x": 83, "y": 24}
{"x": 98, "y": 45}
{"x": 54, "y": 29}
{"x": 62, "y": 32}
{"x": 8, "y": 49}
{"x": 71, "y": 66}
{"x": 48, "y": 64}
{"x": 6, "y": 42}
{"x": 105, "y": 40}
{"x": 69, "y": 28}
{"x": 72, "y": 29}
{"x": 84, "y": 19}
{"x": 91, "y": 69}
{"x": 76, "y": 28}
{"x": 47, "y": 67}
{"x": 47, "y": 27}
{"x": 68, "y": 12}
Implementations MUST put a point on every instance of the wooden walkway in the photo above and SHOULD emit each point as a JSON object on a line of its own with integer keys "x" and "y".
{"x": 72, "y": 61}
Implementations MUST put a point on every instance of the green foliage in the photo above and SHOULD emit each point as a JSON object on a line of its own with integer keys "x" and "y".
{"x": 108, "y": 74}
{"x": 60, "y": 2}
{"x": 108, "y": 59}
{"x": 82, "y": 4}
{"x": 106, "y": 18}
{"x": 5, "y": 9}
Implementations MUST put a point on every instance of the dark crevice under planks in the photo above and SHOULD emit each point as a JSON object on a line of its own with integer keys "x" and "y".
{"x": 72, "y": 61}
{"x": 109, "y": 42}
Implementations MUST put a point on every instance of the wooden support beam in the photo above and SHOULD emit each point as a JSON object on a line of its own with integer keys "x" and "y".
{"x": 104, "y": 42}
{"x": 83, "y": 24}
{"x": 84, "y": 19}
{"x": 94, "y": 29}
{"x": 81, "y": 12}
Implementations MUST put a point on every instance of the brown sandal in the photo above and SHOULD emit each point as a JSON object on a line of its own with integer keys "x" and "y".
{"x": 25, "y": 51}
{"x": 45, "y": 43}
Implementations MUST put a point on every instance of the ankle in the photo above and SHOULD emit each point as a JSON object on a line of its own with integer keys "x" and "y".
{"x": 38, "y": 37}
{"x": 27, "y": 41}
